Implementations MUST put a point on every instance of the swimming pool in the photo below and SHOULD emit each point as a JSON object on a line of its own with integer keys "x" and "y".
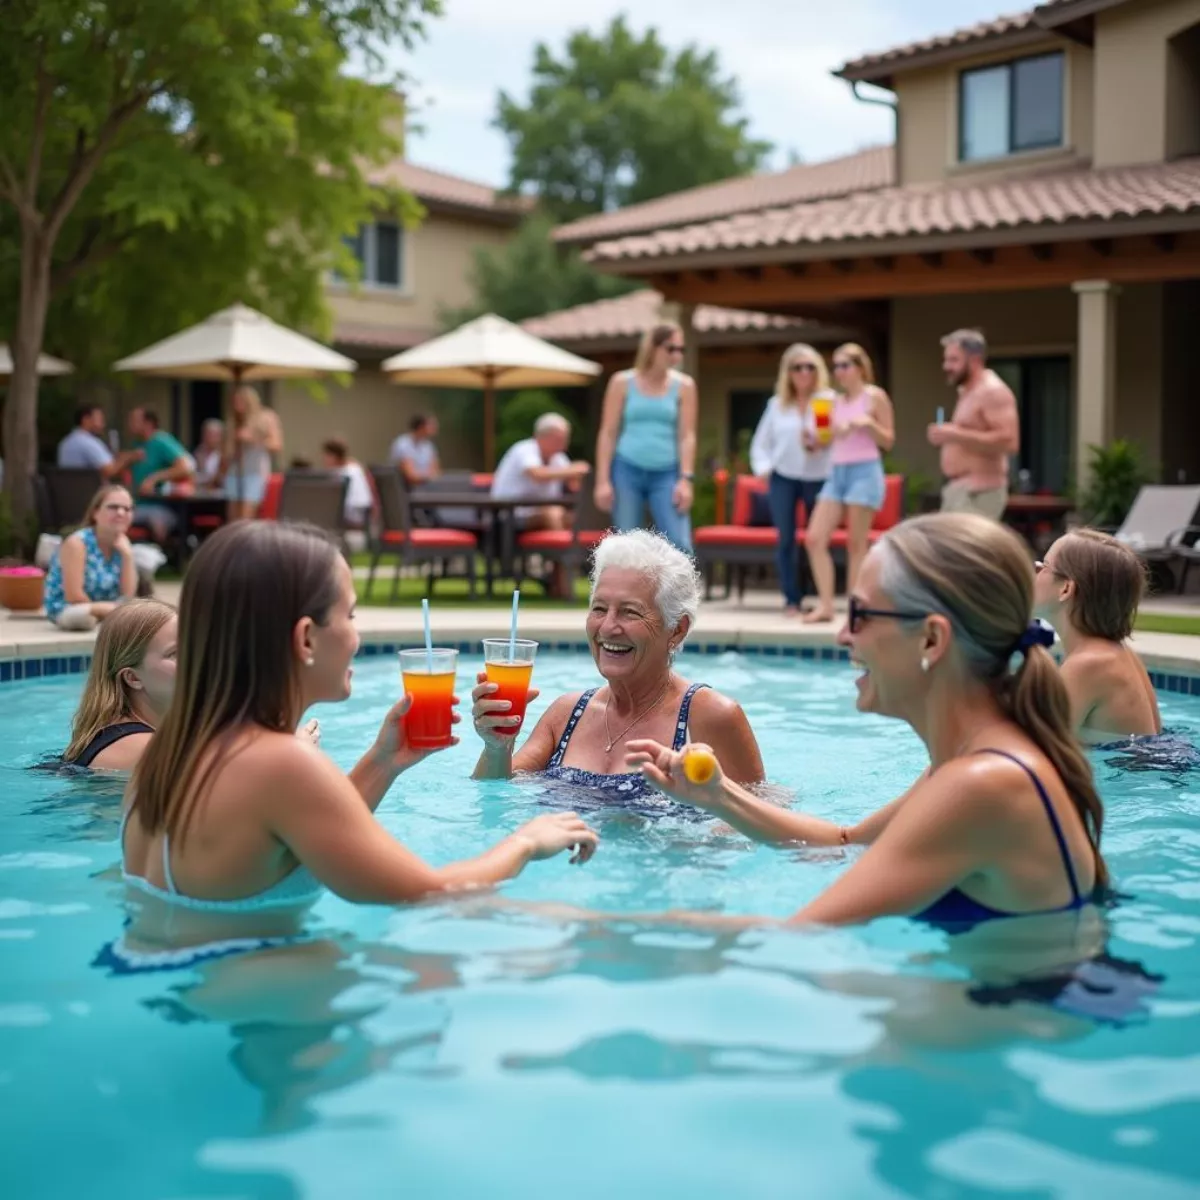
{"x": 458, "y": 1050}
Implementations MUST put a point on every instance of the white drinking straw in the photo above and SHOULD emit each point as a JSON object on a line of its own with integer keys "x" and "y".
{"x": 428, "y": 636}
{"x": 512, "y": 636}
{"x": 941, "y": 416}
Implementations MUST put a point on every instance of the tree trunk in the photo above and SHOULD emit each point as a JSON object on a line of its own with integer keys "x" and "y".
{"x": 20, "y": 411}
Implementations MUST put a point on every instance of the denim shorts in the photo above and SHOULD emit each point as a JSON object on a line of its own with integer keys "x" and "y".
{"x": 859, "y": 483}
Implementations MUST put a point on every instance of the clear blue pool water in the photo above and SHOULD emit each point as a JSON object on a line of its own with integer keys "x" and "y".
{"x": 450, "y": 1051}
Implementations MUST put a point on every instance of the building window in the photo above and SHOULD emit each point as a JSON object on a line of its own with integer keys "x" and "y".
{"x": 1010, "y": 107}
{"x": 1042, "y": 386}
{"x": 379, "y": 248}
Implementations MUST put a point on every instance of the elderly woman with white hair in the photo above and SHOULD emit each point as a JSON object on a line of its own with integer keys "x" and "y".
{"x": 645, "y": 594}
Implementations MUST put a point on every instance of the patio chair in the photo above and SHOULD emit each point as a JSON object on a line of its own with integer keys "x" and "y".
{"x": 570, "y": 547}
{"x": 1157, "y": 526}
{"x": 317, "y": 498}
{"x": 69, "y": 491}
{"x": 411, "y": 545}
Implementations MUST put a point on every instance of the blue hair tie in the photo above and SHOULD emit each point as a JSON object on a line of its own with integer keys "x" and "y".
{"x": 1037, "y": 633}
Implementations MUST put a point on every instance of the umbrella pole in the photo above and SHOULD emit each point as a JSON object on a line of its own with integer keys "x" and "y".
{"x": 237, "y": 382}
{"x": 489, "y": 421}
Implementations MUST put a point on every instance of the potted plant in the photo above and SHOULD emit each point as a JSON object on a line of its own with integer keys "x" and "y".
{"x": 1116, "y": 475}
{"x": 21, "y": 583}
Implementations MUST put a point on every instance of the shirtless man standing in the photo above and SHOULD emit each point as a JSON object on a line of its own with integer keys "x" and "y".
{"x": 982, "y": 433}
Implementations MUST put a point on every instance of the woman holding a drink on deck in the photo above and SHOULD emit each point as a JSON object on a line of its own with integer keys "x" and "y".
{"x": 790, "y": 449}
{"x": 645, "y": 595}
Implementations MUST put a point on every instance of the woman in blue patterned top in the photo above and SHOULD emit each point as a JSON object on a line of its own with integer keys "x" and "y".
{"x": 645, "y": 594}
{"x": 93, "y": 570}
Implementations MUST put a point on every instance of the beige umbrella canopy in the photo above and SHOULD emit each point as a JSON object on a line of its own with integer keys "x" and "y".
{"x": 491, "y": 354}
{"x": 45, "y": 364}
{"x": 238, "y": 344}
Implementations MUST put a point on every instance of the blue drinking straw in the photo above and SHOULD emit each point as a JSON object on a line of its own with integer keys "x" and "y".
{"x": 941, "y": 417}
{"x": 428, "y": 636}
{"x": 512, "y": 635}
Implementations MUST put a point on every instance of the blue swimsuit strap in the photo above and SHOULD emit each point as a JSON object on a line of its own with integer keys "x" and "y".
{"x": 1076, "y": 895}
{"x": 681, "y": 723}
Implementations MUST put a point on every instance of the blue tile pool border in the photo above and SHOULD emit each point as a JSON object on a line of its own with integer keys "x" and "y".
{"x": 14, "y": 670}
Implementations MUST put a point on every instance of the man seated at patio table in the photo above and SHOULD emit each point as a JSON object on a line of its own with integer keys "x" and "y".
{"x": 84, "y": 447}
{"x": 414, "y": 454}
{"x": 163, "y": 461}
{"x": 538, "y": 469}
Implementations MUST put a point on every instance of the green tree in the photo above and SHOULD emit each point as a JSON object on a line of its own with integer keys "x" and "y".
{"x": 619, "y": 119}
{"x": 211, "y": 145}
{"x": 529, "y": 276}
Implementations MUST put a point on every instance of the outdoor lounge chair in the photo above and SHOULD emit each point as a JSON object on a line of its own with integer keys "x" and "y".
{"x": 1158, "y": 523}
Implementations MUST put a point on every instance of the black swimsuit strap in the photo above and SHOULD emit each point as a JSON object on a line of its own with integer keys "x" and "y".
{"x": 108, "y": 736}
{"x": 1076, "y": 895}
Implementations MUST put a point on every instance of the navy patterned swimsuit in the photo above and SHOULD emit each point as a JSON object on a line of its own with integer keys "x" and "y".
{"x": 591, "y": 790}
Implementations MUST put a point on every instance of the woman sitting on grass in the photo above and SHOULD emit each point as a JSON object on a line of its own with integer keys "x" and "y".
{"x": 1089, "y": 588}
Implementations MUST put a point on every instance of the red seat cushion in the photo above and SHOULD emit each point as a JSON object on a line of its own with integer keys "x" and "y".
{"x": 839, "y": 539}
{"x": 268, "y": 510}
{"x": 745, "y": 488}
{"x": 138, "y": 533}
{"x": 443, "y": 539}
{"x": 735, "y": 535}
{"x": 892, "y": 511}
{"x": 208, "y": 521}
{"x": 591, "y": 538}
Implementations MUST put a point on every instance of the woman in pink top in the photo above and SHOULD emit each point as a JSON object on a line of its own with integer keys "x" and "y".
{"x": 863, "y": 428}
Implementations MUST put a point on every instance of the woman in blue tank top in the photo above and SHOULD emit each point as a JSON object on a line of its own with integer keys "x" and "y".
{"x": 1006, "y": 821}
{"x": 646, "y": 448}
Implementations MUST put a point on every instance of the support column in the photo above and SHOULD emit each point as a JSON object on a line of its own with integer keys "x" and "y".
{"x": 1095, "y": 370}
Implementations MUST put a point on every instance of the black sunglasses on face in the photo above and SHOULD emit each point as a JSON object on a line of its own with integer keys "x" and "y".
{"x": 845, "y": 365}
{"x": 802, "y": 367}
{"x": 857, "y": 613}
{"x": 673, "y": 349}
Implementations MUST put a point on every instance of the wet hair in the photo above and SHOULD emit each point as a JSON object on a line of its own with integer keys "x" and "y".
{"x": 655, "y": 336}
{"x": 800, "y": 352}
{"x": 674, "y": 575}
{"x": 976, "y": 573}
{"x": 1109, "y": 583}
{"x": 856, "y": 354}
{"x": 244, "y": 592}
{"x": 971, "y": 341}
{"x": 94, "y": 505}
{"x": 125, "y": 636}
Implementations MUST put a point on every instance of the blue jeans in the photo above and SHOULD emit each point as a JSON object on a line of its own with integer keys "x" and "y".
{"x": 634, "y": 488}
{"x": 782, "y": 495}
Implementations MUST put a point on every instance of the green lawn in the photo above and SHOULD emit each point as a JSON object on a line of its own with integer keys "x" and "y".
{"x": 452, "y": 593}
{"x": 1168, "y": 623}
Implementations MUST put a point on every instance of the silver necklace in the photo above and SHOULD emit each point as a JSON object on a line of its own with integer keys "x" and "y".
{"x": 612, "y": 741}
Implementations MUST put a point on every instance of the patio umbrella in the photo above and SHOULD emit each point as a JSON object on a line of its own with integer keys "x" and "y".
{"x": 238, "y": 344}
{"x": 45, "y": 364}
{"x": 491, "y": 354}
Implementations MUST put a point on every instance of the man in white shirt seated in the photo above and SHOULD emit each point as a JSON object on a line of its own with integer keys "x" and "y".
{"x": 360, "y": 499}
{"x": 84, "y": 447}
{"x": 538, "y": 468}
{"x": 414, "y": 454}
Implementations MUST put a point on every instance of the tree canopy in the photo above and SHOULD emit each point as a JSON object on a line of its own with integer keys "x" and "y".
{"x": 619, "y": 118}
{"x": 202, "y": 151}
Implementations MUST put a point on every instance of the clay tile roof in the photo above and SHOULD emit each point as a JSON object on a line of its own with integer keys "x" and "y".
{"x": 626, "y": 317}
{"x": 379, "y": 337}
{"x": 436, "y": 187}
{"x": 1053, "y": 199}
{"x": 878, "y": 67}
{"x": 861, "y": 171}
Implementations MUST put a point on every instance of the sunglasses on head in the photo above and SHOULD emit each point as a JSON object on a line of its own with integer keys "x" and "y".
{"x": 858, "y": 612}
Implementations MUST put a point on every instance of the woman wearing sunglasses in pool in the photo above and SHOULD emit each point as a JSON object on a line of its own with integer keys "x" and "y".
{"x": 1006, "y": 821}
{"x": 646, "y": 448}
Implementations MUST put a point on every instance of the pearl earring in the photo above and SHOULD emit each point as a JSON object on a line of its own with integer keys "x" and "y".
{"x": 924, "y": 663}
{"x": 308, "y": 662}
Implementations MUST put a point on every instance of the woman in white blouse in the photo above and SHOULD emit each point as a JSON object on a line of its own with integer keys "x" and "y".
{"x": 789, "y": 451}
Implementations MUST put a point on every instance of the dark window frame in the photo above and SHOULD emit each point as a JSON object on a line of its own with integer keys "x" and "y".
{"x": 1009, "y": 65}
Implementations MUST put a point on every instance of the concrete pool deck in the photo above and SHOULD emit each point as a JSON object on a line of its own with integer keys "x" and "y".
{"x": 755, "y": 623}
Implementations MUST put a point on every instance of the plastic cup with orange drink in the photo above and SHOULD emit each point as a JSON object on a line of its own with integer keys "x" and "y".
{"x": 822, "y": 411}
{"x": 508, "y": 663}
{"x": 429, "y": 679}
